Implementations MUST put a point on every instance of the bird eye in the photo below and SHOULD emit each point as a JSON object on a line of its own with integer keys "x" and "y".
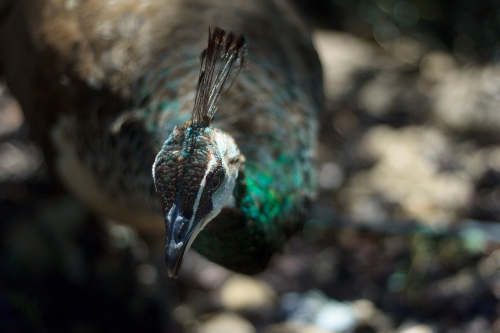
{"x": 216, "y": 181}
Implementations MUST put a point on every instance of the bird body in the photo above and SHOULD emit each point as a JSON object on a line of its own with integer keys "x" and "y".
{"x": 106, "y": 84}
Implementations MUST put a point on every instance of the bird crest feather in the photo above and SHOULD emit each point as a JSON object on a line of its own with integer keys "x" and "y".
{"x": 224, "y": 53}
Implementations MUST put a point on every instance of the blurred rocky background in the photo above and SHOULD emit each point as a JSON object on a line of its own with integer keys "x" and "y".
{"x": 404, "y": 236}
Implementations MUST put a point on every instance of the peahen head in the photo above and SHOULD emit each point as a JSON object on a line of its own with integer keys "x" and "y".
{"x": 196, "y": 169}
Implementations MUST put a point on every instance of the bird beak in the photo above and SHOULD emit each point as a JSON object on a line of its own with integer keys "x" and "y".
{"x": 180, "y": 234}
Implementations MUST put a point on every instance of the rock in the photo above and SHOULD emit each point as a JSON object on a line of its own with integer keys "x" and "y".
{"x": 406, "y": 49}
{"x": 11, "y": 115}
{"x": 416, "y": 328}
{"x": 365, "y": 310}
{"x": 147, "y": 274}
{"x": 315, "y": 308}
{"x": 342, "y": 55}
{"x": 467, "y": 100}
{"x": 183, "y": 314}
{"x": 408, "y": 173}
{"x": 369, "y": 315}
{"x": 18, "y": 161}
{"x": 336, "y": 316}
{"x": 325, "y": 266}
{"x": 204, "y": 273}
{"x": 240, "y": 293}
{"x": 226, "y": 322}
{"x": 294, "y": 327}
{"x": 435, "y": 65}
{"x": 490, "y": 265}
{"x": 331, "y": 176}
{"x": 495, "y": 327}
{"x": 478, "y": 324}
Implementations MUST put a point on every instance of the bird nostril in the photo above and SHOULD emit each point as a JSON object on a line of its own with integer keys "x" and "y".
{"x": 181, "y": 230}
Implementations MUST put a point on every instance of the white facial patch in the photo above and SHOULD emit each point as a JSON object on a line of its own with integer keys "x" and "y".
{"x": 211, "y": 163}
{"x": 223, "y": 196}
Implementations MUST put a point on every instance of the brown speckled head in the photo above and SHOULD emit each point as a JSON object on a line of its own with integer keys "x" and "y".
{"x": 188, "y": 162}
{"x": 196, "y": 169}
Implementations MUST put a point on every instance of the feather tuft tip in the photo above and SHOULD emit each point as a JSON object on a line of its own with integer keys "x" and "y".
{"x": 224, "y": 54}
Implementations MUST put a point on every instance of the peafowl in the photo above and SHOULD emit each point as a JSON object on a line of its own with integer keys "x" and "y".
{"x": 221, "y": 152}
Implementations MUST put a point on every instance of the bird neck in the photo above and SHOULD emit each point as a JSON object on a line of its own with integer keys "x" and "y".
{"x": 244, "y": 238}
